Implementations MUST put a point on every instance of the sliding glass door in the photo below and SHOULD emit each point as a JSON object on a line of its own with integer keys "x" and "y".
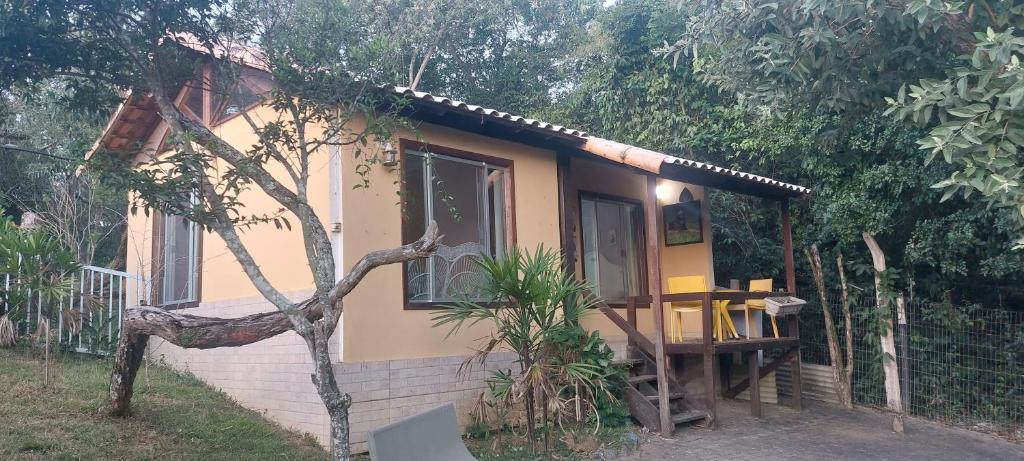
{"x": 612, "y": 239}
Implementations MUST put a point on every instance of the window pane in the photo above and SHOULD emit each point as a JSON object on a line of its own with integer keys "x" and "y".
{"x": 467, "y": 201}
{"x": 414, "y": 208}
{"x": 611, "y": 262}
{"x": 496, "y": 218}
{"x": 457, "y": 199}
{"x": 179, "y": 260}
{"x": 414, "y": 224}
{"x": 194, "y": 99}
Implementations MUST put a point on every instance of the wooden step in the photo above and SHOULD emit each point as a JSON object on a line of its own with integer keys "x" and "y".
{"x": 671, "y": 396}
{"x": 642, "y": 379}
{"x": 687, "y": 416}
{"x": 629, "y": 362}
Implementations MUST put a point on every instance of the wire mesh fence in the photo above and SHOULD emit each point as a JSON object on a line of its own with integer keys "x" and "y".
{"x": 965, "y": 363}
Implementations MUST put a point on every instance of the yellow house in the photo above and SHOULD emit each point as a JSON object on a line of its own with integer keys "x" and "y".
{"x": 628, "y": 220}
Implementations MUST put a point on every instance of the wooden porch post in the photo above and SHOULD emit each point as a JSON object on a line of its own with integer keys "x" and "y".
{"x": 654, "y": 269}
{"x": 566, "y": 213}
{"x": 787, "y": 248}
{"x": 755, "y": 386}
{"x": 708, "y": 358}
{"x": 792, "y": 321}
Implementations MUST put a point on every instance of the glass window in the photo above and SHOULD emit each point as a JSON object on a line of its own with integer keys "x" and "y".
{"x": 236, "y": 93}
{"x": 467, "y": 200}
{"x": 180, "y": 258}
{"x": 611, "y": 248}
{"x": 194, "y": 100}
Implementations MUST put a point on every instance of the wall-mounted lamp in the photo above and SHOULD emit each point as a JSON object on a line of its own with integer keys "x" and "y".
{"x": 662, "y": 192}
{"x": 388, "y": 154}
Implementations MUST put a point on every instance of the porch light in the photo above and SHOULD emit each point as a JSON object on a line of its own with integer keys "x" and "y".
{"x": 388, "y": 154}
{"x": 662, "y": 192}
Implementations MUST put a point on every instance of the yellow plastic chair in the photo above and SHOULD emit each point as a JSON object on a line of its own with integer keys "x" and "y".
{"x": 685, "y": 284}
{"x": 759, "y": 285}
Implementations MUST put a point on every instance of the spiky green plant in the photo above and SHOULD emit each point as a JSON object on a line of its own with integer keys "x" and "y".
{"x": 37, "y": 271}
{"x": 533, "y": 309}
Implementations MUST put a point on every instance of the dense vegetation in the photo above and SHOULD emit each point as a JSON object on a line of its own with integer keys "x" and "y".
{"x": 776, "y": 88}
{"x": 866, "y": 169}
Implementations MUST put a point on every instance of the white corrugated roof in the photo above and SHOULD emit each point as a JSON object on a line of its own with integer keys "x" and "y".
{"x": 623, "y": 153}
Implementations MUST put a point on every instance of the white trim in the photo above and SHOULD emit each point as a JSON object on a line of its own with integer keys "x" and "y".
{"x": 337, "y": 235}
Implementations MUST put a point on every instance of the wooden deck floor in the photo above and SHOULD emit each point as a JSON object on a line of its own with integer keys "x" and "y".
{"x": 696, "y": 346}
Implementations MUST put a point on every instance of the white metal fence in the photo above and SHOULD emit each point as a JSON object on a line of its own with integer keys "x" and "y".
{"x": 89, "y": 317}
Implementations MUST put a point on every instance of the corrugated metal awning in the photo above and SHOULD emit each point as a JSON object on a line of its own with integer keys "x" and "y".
{"x": 690, "y": 170}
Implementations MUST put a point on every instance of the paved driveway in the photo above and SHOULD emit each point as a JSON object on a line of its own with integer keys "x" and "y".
{"x": 822, "y": 432}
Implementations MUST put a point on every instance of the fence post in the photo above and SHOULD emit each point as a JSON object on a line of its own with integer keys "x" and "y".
{"x": 901, "y": 318}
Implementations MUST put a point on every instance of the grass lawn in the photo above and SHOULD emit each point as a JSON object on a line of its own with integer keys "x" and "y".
{"x": 176, "y": 417}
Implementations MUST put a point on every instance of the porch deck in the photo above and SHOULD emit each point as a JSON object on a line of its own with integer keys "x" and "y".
{"x": 644, "y": 400}
{"x": 696, "y": 346}
{"x": 657, "y": 394}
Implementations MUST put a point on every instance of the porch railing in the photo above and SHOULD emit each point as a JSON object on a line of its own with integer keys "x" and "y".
{"x": 89, "y": 317}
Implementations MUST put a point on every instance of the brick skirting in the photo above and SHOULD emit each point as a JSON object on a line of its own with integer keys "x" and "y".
{"x": 273, "y": 378}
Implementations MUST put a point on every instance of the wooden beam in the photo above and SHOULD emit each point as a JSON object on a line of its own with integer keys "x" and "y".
{"x": 635, "y": 336}
{"x": 654, "y": 269}
{"x": 787, "y": 247}
{"x": 765, "y": 371}
{"x": 567, "y": 212}
{"x": 793, "y": 325}
{"x": 793, "y": 321}
{"x": 754, "y": 376}
{"x": 734, "y": 297}
{"x": 631, "y": 317}
{"x": 708, "y": 356}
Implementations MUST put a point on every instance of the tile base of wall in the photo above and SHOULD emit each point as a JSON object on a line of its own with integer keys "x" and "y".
{"x": 273, "y": 377}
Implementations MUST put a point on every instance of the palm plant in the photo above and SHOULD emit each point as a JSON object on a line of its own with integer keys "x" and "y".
{"x": 37, "y": 272}
{"x": 534, "y": 309}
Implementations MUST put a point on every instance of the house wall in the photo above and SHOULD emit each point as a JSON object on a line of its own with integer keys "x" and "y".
{"x": 377, "y": 325}
{"x": 392, "y": 361}
{"x": 270, "y": 376}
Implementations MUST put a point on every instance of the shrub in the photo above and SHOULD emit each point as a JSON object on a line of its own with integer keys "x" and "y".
{"x": 563, "y": 370}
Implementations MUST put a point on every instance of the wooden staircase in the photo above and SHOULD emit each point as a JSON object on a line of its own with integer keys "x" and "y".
{"x": 641, "y": 394}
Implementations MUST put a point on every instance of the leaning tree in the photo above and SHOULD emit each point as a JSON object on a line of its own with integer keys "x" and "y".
{"x": 321, "y": 86}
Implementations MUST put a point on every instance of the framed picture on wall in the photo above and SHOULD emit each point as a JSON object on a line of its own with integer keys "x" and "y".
{"x": 683, "y": 224}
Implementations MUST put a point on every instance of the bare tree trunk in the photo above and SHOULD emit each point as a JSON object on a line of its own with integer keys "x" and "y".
{"x": 848, "y": 318}
{"x": 140, "y": 323}
{"x": 334, "y": 400}
{"x": 893, "y": 395}
{"x": 834, "y": 351}
{"x": 131, "y": 349}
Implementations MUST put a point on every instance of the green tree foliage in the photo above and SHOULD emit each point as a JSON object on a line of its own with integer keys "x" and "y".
{"x": 48, "y": 127}
{"x": 852, "y": 57}
{"x": 866, "y": 171}
{"x": 507, "y": 54}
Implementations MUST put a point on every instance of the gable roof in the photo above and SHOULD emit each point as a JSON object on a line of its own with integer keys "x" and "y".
{"x": 137, "y": 116}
